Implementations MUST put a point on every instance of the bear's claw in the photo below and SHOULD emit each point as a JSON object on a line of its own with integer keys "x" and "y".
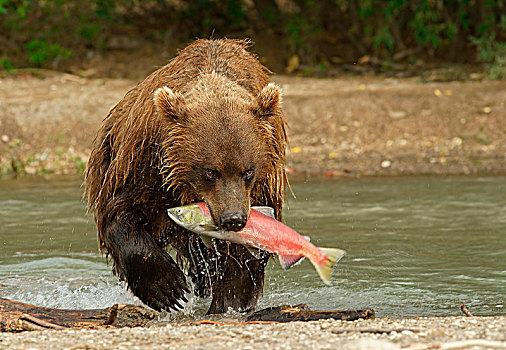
{"x": 157, "y": 281}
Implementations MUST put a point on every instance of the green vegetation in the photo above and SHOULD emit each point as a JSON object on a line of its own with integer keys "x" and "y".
{"x": 50, "y": 33}
{"x": 40, "y": 52}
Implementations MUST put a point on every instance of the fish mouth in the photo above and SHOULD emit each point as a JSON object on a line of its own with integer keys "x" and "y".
{"x": 180, "y": 215}
{"x": 174, "y": 217}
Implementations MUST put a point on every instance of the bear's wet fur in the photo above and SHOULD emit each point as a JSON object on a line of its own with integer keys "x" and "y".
{"x": 207, "y": 126}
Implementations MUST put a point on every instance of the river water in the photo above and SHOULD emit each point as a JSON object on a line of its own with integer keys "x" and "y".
{"x": 416, "y": 247}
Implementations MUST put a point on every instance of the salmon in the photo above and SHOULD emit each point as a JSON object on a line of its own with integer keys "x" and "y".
{"x": 261, "y": 231}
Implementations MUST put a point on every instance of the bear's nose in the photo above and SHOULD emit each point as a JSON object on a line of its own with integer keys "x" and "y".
{"x": 233, "y": 221}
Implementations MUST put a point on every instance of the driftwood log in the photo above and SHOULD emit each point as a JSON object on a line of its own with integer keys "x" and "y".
{"x": 16, "y": 316}
{"x": 301, "y": 312}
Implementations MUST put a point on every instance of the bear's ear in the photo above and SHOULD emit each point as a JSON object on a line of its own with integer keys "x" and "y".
{"x": 169, "y": 103}
{"x": 269, "y": 100}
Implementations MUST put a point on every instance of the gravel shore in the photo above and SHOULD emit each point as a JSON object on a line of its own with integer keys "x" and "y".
{"x": 349, "y": 126}
{"x": 419, "y": 333}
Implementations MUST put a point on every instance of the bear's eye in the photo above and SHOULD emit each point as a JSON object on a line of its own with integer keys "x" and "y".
{"x": 248, "y": 174}
{"x": 211, "y": 174}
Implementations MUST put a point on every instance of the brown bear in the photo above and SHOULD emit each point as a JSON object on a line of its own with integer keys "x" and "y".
{"x": 209, "y": 127}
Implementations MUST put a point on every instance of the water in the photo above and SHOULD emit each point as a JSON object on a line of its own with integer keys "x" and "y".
{"x": 416, "y": 247}
{"x": 48, "y": 248}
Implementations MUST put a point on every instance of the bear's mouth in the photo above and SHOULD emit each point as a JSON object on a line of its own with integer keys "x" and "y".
{"x": 229, "y": 221}
{"x": 213, "y": 216}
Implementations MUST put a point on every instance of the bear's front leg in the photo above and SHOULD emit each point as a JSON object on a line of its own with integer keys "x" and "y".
{"x": 154, "y": 277}
{"x": 150, "y": 272}
{"x": 238, "y": 279}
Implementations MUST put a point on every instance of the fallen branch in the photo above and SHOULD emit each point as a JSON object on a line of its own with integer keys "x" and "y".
{"x": 16, "y": 316}
{"x": 112, "y": 316}
{"x": 38, "y": 323}
{"x": 465, "y": 310}
{"x": 301, "y": 312}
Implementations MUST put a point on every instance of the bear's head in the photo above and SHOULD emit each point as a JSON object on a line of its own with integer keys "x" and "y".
{"x": 219, "y": 144}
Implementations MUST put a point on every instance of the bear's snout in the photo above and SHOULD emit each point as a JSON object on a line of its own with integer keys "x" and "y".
{"x": 233, "y": 221}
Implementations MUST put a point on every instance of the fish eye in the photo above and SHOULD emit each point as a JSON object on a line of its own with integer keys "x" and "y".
{"x": 179, "y": 211}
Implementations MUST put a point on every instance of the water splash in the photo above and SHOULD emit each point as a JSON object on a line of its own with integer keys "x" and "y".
{"x": 62, "y": 282}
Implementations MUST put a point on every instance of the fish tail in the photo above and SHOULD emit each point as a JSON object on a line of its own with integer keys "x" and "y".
{"x": 325, "y": 268}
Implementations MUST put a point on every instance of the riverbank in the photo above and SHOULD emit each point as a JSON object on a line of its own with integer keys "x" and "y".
{"x": 384, "y": 333}
{"x": 354, "y": 126}
{"x": 351, "y": 126}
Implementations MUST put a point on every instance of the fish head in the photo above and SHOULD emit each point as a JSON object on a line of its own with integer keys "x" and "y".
{"x": 188, "y": 216}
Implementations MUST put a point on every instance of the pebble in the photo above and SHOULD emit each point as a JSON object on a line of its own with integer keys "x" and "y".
{"x": 386, "y": 164}
{"x": 397, "y": 114}
{"x": 296, "y": 335}
{"x": 456, "y": 142}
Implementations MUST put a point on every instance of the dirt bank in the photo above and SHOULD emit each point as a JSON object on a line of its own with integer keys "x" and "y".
{"x": 421, "y": 333}
{"x": 348, "y": 126}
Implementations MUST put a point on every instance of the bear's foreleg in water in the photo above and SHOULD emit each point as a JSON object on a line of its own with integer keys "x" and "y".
{"x": 150, "y": 272}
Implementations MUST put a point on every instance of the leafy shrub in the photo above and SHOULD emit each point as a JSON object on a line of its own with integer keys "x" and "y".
{"x": 43, "y": 32}
{"x": 490, "y": 50}
{"x": 5, "y": 64}
{"x": 40, "y": 52}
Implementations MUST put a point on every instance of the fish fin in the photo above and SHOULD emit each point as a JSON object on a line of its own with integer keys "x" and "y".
{"x": 254, "y": 251}
{"x": 288, "y": 261}
{"x": 206, "y": 240}
{"x": 209, "y": 227}
{"x": 307, "y": 238}
{"x": 268, "y": 211}
{"x": 324, "y": 269}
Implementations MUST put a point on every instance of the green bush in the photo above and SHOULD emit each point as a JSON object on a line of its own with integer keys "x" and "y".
{"x": 5, "y": 64}
{"x": 490, "y": 49}
{"x": 40, "y": 52}
{"x": 46, "y": 32}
